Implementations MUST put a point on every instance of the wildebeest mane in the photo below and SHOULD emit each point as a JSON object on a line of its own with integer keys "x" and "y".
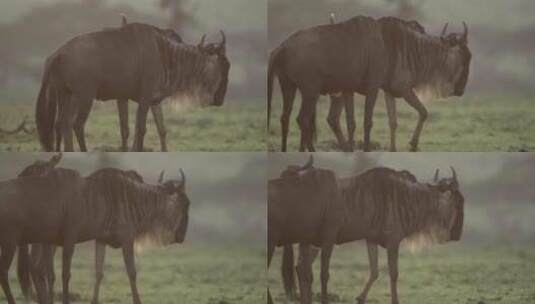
{"x": 129, "y": 201}
{"x": 418, "y": 52}
{"x": 385, "y": 195}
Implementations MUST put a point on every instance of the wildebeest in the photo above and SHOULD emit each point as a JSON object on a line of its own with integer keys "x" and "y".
{"x": 304, "y": 208}
{"x": 62, "y": 208}
{"x": 364, "y": 55}
{"x": 137, "y": 61}
{"x": 385, "y": 207}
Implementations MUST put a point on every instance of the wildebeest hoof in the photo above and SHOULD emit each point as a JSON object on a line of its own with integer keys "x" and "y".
{"x": 360, "y": 300}
{"x": 414, "y": 149}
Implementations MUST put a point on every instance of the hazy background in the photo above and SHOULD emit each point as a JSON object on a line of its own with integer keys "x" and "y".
{"x": 501, "y": 33}
{"x": 30, "y": 30}
{"x": 497, "y": 187}
{"x": 226, "y": 190}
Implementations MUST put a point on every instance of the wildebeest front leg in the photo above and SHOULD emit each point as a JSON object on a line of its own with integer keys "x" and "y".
{"x": 122, "y": 107}
{"x": 158, "y": 119}
{"x": 392, "y": 119}
{"x": 326, "y": 251}
{"x": 304, "y": 274}
{"x": 129, "y": 261}
{"x": 392, "y": 252}
{"x": 8, "y": 251}
{"x": 271, "y": 250}
{"x": 141, "y": 125}
{"x": 414, "y": 102}
{"x": 369, "y": 105}
{"x": 68, "y": 250}
{"x": 333, "y": 119}
{"x": 100, "y": 253}
{"x": 374, "y": 271}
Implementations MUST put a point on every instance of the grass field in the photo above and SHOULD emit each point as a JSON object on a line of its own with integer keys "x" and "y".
{"x": 445, "y": 274}
{"x": 233, "y": 127}
{"x": 471, "y": 124}
{"x": 204, "y": 274}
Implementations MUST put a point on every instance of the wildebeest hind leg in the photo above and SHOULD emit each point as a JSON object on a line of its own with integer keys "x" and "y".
{"x": 100, "y": 253}
{"x": 414, "y": 102}
{"x": 8, "y": 251}
{"x": 392, "y": 252}
{"x": 392, "y": 119}
{"x": 66, "y": 117}
{"x": 287, "y": 271}
{"x": 288, "y": 97}
{"x": 68, "y": 250}
{"x": 369, "y": 105}
{"x": 122, "y": 107}
{"x": 333, "y": 119}
{"x": 271, "y": 250}
{"x": 374, "y": 271}
{"x": 349, "y": 104}
{"x": 129, "y": 261}
{"x": 141, "y": 126}
{"x": 79, "y": 124}
{"x": 326, "y": 251}
{"x": 160, "y": 126}
{"x": 306, "y": 120}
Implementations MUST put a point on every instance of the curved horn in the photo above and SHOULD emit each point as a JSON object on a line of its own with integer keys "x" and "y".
{"x": 444, "y": 30}
{"x": 55, "y": 159}
{"x": 183, "y": 178}
{"x": 332, "y": 18}
{"x": 435, "y": 179}
{"x": 309, "y": 163}
{"x": 124, "y": 22}
{"x": 201, "y": 43}
{"x": 454, "y": 174}
{"x": 465, "y": 34}
{"x": 223, "y": 39}
{"x": 160, "y": 179}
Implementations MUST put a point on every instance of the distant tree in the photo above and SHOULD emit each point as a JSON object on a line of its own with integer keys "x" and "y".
{"x": 179, "y": 17}
{"x": 408, "y": 9}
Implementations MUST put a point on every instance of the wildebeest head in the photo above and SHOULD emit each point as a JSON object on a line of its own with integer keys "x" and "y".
{"x": 458, "y": 59}
{"x": 220, "y": 66}
{"x": 451, "y": 206}
{"x": 40, "y": 167}
{"x": 177, "y": 204}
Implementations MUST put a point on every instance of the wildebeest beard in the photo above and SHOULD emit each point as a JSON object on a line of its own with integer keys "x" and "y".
{"x": 191, "y": 76}
{"x": 130, "y": 203}
{"x": 396, "y": 206}
{"x": 423, "y": 56}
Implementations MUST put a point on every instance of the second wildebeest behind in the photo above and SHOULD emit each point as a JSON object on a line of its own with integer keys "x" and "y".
{"x": 364, "y": 55}
{"x": 62, "y": 208}
{"x": 137, "y": 61}
{"x": 304, "y": 208}
{"x": 385, "y": 207}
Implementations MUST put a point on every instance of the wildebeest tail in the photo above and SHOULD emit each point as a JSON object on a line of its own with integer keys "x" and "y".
{"x": 272, "y": 66}
{"x": 287, "y": 270}
{"x": 46, "y": 107}
{"x": 23, "y": 270}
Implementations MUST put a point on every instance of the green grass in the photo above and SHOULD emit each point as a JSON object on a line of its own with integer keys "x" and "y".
{"x": 470, "y": 124}
{"x": 445, "y": 274}
{"x": 188, "y": 273}
{"x": 233, "y": 127}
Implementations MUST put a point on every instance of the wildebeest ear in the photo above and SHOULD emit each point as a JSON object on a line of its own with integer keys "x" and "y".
{"x": 55, "y": 159}
{"x": 160, "y": 179}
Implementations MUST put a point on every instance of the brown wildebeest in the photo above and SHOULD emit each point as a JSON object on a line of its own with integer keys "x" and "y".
{"x": 146, "y": 66}
{"x": 385, "y": 207}
{"x": 62, "y": 208}
{"x": 364, "y": 55}
{"x": 304, "y": 208}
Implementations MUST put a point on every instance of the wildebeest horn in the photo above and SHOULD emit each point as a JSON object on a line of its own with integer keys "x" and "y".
{"x": 160, "y": 179}
{"x": 435, "y": 179}
{"x": 331, "y": 17}
{"x": 223, "y": 39}
{"x": 309, "y": 163}
{"x": 465, "y": 34}
{"x": 201, "y": 43}
{"x": 454, "y": 174}
{"x": 55, "y": 159}
{"x": 444, "y": 30}
{"x": 124, "y": 22}
{"x": 183, "y": 178}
